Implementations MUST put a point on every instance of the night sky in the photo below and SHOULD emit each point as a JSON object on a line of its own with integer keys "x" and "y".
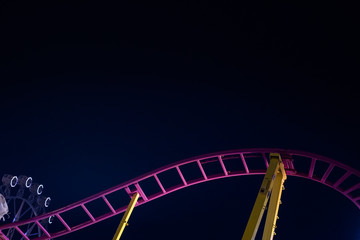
{"x": 95, "y": 93}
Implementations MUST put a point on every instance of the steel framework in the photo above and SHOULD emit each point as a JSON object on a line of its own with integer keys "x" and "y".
{"x": 272, "y": 185}
{"x": 290, "y": 158}
{"x": 25, "y": 201}
{"x": 125, "y": 219}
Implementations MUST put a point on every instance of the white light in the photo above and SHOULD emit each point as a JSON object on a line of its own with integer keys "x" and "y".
{"x": 40, "y": 189}
{"x": 14, "y": 181}
{"x": 51, "y": 219}
{"x": 47, "y": 201}
{"x": 28, "y": 182}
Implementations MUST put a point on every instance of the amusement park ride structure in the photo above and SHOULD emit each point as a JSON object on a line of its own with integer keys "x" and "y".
{"x": 21, "y": 198}
{"x": 277, "y": 164}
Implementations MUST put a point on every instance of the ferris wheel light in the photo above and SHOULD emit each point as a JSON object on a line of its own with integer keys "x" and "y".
{"x": 39, "y": 189}
{"x": 14, "y": 181}
{"x": 25, "y": 181}
{"x": 28, "y": 182}
{"x": 10, "y": 180}
{"x": 36, "y": 188}
{"x": 51, "y": 219}
{"x": 47, "y": 202}
{"x": 43, "y": 201}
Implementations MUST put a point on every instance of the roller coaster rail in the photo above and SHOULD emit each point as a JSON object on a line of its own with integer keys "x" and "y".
{"x": 222, "y": 159}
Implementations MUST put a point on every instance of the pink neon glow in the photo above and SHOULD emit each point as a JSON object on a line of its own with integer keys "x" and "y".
{"x": 221, "y": 156}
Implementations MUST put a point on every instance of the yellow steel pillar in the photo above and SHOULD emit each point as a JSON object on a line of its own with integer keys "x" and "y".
{"x": 125, "y": 219}
{"x": 274, "y": 172}
{"x": 272, "y": 212}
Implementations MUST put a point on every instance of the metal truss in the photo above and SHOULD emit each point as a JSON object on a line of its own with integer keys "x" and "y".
{"x": 244, "y": 158}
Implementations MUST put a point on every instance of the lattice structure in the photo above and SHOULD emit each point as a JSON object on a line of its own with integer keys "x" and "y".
{"x": 25, "y": 200}
{"x": 331, "y": 173}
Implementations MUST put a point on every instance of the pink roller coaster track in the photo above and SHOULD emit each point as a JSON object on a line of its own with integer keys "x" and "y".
{"x": 245, "y": 158}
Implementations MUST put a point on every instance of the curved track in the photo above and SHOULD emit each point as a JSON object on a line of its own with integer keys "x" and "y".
{"x": 188, "y": 172}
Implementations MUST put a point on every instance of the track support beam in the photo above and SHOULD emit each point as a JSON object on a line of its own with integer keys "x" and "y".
{"x": 125, "y": 219}
{"x": 271, "y": 185}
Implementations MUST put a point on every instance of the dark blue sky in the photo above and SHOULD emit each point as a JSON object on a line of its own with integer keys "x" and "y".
{"x": 95, "y": 93}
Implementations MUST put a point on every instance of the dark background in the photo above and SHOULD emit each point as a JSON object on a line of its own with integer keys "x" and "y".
{"x": 95, "y": 93}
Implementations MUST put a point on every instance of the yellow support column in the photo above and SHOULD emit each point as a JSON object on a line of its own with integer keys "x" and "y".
{"x": 125, "y": 219}
{"x": 262, "y": 198}
{"x": 272, "y": 213}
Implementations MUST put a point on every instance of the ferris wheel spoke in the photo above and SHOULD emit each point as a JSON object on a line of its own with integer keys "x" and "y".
{"x": 17, "y": 216}
{"x": 10, "y": 233}
{"x": 14, "y": 205}
{"x": 33, "y": 234}
{"x": 39, "y": 231}
{"x": 29, "y": 229}
{"x": 26, "y": 211}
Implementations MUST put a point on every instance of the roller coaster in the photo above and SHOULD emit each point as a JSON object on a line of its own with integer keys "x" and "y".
{"x": 233, "y": 163}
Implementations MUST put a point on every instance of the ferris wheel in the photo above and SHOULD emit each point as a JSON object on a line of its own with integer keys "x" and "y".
{"x": 22, "y": 199}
